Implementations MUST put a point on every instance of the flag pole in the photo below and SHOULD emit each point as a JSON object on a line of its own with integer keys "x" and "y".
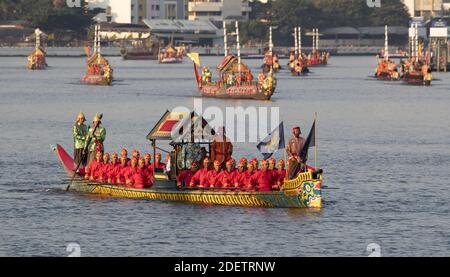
{"x": 315, "y": 141}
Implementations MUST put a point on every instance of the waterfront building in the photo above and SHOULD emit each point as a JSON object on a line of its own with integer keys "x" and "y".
{"x": 219, "y": 10}
{"x": 427, "y": 8}
{"x": 135, "y": 11}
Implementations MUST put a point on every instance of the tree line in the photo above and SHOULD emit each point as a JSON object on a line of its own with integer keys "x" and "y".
{"x": 322, "y": 14}
{"x": 52, "y": 16}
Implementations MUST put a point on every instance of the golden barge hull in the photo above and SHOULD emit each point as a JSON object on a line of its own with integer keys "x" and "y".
{"x": 303, "y": 192}
{"x": 275, "y": 199}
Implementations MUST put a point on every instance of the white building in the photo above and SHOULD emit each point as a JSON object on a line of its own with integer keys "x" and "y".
{"x": 218, "y": 10}
{"x": 427, "y": 8}
{"x": 135, "y": 11}
{"x": 119, "y": 11}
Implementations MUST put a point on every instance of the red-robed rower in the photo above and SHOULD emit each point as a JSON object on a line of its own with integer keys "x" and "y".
{"x": 263, "y": 177}
{"x": 136, "y": 154}
{"x": 227, "y": 177}
{"x": 141, "y": 177}
{"x": 148, "y": 162}
{"x": 240, "y": 172}
{"x": 118, "y": 175}
{"x": 124, "y": 154}
{"x": 185, "y": 177}
{"x": 273, "y": 170}
{"x": 105, "y": 168}
{"x": 200, "y": 178}
{"x": 130, "y": 171}
{"x": 213, "y": 175}
{"x": 93, "y": 170}
{"x": 158, "y": 163}
{"x": 281, "y": 175}
{"x": 115, "y": 162}
{"x": 246, "y": 180}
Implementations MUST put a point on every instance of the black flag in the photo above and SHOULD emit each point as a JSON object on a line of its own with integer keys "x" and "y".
{"x": 310, "y": 142}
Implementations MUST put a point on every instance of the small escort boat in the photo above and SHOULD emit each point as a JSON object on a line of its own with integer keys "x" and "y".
{"x": 271, "y": 62}
{"x": 36, "y": 60}
{"x": 302, "y": 192}
{"x": 317, "y": 58}
{"x": 99, "y": 71}
{"x": 386, "y": 68}
{"x": 170, "y": 55}
{"x": 417, "y": 70}
{"x": 297, "y": 61}
{"x": 235, "y": 78}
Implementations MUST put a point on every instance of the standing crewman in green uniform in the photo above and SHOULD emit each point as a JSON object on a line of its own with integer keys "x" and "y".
{"x": 79, "y": 131}
{"x": 95, "y": 139}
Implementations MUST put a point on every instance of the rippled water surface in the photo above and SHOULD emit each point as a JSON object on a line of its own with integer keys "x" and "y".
{"x": 384, "y": 148}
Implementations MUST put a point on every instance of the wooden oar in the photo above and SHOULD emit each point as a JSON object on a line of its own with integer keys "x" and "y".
{"x": 83, "y": 155}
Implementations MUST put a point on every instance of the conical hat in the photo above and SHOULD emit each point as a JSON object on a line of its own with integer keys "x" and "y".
{"x": 97, "y": 118}
{"x": 81, "y": 115}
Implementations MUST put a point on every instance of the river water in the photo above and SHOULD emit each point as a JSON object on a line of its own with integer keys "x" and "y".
{"x": 384, "y": 148}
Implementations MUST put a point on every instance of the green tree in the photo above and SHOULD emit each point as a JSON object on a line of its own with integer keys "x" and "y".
{"x": 51, "y": 16}
{"x": 392, "y": 12}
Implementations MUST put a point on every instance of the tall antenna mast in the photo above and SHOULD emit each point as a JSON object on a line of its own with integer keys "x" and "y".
{"x": 238, "y": 46}
{"x": 417, "y": 42}
{"x": 270, "y": 41}
{"x": 317, "y": 40}
{"x": 314, "y": 40}
{"x": 296, "y": 41}
{"x": 299, "y": 31}
{"x": 386, "y": 43}
{"x": 37, "y": 32}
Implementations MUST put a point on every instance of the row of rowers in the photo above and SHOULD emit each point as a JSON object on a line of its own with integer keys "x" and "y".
{"x": 138, "y": 172}
{"x": 134, "y": 172}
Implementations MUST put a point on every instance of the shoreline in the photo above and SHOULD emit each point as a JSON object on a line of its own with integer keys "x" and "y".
{"x": 247, "y": 53}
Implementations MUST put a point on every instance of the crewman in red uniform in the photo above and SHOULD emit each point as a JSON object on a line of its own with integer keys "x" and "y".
{"x": 239, "y": 173}
{"x": 117, "y": 176}
{"x": 136, "y": 154}
{"x": 281, "y": 175}
{"x": 185, "y": 177}
{"x": 200, "y": 178}
{"x": 263, "y": 178}
{"x": 93, "y": 170}
{"x": 141, "y": 177}
{"x": 158, "y": 163}
{"x": 115, "y": 167}
{"x": 148, "y": 162}
{"x": 244, "y": 161}
{"x": 130, "y": 172}
{"x": 255, "y": 163}
{"x": 213, "y": 175}
{"x": 105, "y": 168}
{"x": 246, "y": 180}
{"x": 273, "y": 170}
{"x": 124, "y": 154}
{"x": 227, "y": 178}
